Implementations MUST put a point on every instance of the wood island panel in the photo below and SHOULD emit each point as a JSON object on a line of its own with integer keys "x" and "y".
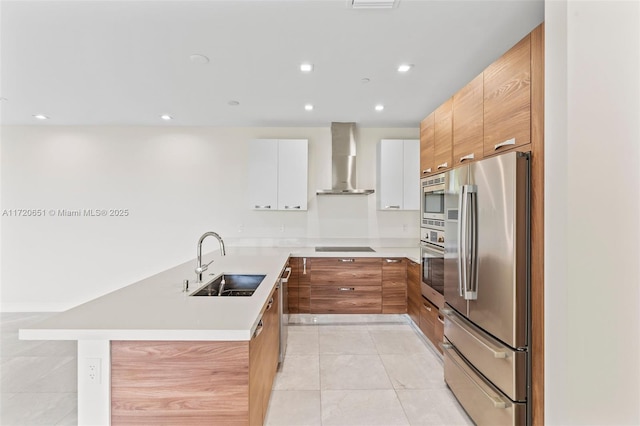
{"x": 174, "y": 382}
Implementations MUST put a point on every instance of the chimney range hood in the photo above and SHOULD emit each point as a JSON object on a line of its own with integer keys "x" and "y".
{"x": 343, "y": 162}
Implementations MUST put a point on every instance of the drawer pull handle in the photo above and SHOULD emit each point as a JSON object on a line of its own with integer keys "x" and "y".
{"x": 263, "y": 207}
{"x": 393, "y": 260}
{"x": 270, "y": 304}
{"x": 427, "y": 308}
{"x": 304, "y": 266}
{"x": 347, "y": 260}
{"x": 467, "y": 157}
{"x": 291, "y": 207}
{"x": 442, "y": 166}
{"x": 425, "y": 171}
{"x": 505, "y": 143}
{"x": 441, "y": 319}
{"x": 258, "y": 329}
{"x": 346, "y": 289}
{"x": 392, "y": 207}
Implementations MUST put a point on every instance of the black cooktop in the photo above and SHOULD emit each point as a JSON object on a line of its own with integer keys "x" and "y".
{"x": 338, "y": 249}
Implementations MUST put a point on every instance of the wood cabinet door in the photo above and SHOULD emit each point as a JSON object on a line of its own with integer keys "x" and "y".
{"x": 443, "y": 136}
{"x": 293, "y": 285}
{"x": 304, "y": 284}
{"x": 507, "y": 99}
{"x": 427, "y": 146}
{"x": 468, "y": 122}
{"x": 413, "y": 291}
{"x": 394, "y": 286}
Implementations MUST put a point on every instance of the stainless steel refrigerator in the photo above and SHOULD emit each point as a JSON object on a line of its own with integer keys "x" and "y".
{"x": 486, "y": 289}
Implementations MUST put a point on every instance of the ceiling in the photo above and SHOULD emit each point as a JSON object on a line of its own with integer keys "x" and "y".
{"x": 128, "y": 62}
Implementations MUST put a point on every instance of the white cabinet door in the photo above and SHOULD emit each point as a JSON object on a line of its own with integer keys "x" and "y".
{"x": 263, "y": 174}
{"x": 390, "y": 174}
{"x": 292, "y": 174}
{"x": 398, "y": 170}
{"x": 411, "y": 180}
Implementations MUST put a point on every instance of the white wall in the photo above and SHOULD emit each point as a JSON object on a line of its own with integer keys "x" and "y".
{"x": 592, "y": 213}
{"x": 177, "y": 183}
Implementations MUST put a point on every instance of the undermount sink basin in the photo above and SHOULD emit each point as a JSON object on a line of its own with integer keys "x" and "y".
{"x": 235, "y": 285}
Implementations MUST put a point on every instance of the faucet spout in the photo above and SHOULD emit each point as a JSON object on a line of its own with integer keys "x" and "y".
{"x": 201, "y": 268}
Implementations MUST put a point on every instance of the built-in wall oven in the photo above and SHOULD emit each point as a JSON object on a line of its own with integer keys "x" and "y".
{"x": 432, "y": 202}
{"x": 432, "y": 262}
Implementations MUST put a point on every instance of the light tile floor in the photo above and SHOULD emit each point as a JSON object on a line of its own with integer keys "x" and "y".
{"x": 338, "y": 371}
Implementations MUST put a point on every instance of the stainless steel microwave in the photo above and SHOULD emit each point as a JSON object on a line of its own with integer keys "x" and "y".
{"x": 432, "y": 201}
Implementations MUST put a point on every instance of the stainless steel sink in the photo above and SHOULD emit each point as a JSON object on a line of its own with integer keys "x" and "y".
{"x": 234, "y": 285}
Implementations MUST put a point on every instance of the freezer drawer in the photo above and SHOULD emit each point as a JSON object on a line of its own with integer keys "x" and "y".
{"x": 484, "y": 403}
{"x": 503, "y": 366}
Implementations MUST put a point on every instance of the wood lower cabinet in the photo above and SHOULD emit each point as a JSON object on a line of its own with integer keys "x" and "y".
{"x": 293, "y": 286}
{"x": 414, "y": 295}
{"x": 507, "y": 100}
{"x": 468, "y": 122}
{"x": 427, "y": 146}
{"x": 430, "y": 323}
{"x": 394, "y": 286}
{"x": 346, "y": 285}
{"x": 304, "y": 285}
{"x": 194, "y": 382}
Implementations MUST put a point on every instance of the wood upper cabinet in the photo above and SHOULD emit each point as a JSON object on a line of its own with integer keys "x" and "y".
{"x": 394, "y": 286}
{"x": 443, "y": 136}
{"x": 427, "y": 146}
{"x": 468, "y": 122}
{"x": 414, "y": 295}
{"x": 346, "y": 285}
{"x": 507, "y": 99}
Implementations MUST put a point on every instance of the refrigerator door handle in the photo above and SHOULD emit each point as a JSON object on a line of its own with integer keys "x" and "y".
{"x": 461, "y": 233}
{"x": 471, "y": 289}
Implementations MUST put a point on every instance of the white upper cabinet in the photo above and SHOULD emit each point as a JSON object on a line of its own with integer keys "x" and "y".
{"x": 398, "y": 167}
{"x": 278, "y": 174}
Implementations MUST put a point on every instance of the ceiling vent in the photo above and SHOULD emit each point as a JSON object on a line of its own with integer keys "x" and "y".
{"x": 372, "y": 4}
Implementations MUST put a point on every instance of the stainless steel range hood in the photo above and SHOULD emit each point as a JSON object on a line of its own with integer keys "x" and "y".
{"x": 343, "y": 162}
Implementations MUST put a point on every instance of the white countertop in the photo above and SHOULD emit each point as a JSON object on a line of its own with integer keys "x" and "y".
{"x": 156, "y": 308}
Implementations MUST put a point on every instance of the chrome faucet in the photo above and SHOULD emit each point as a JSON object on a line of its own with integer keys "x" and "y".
{"x": 200, "y": 268}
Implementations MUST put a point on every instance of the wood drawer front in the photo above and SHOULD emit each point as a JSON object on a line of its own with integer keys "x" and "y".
{"x": 356, "y": 300}
{"x": 413, "y": 291}
{"x": 428, "y": 314}
{"x": 179, "y": 382}
{"x": 351, "y": 271}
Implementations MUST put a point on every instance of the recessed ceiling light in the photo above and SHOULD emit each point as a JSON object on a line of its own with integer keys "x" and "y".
{"x": 306, "y": 67}
{"x": 3, "y": 99}
{"x": 40, "y": 116}
{"x": 166, "y": 117}
{"x": 308, "y": 107}
{"x": 365, "y": 80}
{"x": 404, "y": 67}
{"x": 379, "y": 107}
{"x": 233, "y": 103}
{"x": 199, "y": 59}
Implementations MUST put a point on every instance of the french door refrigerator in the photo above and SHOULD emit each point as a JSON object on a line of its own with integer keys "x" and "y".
{"x": 486, "y": 289}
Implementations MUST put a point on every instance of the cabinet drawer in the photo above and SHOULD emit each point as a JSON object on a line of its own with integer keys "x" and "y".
{"x": 346, "y": 299}
{"x": 427, "y": 318}
{"x": 346, "y": 270}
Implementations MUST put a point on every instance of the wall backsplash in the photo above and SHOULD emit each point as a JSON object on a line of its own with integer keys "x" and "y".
{"x": 176, "y": 183}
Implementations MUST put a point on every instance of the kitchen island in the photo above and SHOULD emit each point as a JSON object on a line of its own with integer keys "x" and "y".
{"x": 134, "y": 342}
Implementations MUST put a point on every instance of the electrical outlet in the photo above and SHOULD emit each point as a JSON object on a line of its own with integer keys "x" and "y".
{"x": 93, "y": 370}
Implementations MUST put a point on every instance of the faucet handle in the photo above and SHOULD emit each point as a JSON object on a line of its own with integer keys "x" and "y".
{"x": 201, "y": 269}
